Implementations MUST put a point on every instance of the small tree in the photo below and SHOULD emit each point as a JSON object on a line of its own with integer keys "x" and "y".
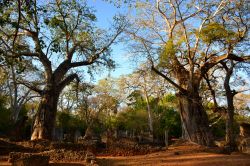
{"x": 147, "y": 85}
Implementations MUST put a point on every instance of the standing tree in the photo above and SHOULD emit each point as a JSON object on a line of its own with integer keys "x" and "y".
{"x": 58, "y": 36}
{"x": 18, "y": 94}
{"x": 178, "y": 52}
{"x": 232, "y": 33}
{"x": 236, "y": 42}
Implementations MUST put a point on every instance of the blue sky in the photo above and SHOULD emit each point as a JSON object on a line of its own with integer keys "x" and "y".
{"x": 104, "y": 13}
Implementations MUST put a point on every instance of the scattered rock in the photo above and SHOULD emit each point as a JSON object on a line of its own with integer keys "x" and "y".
{"x": 244, "y": 145}
{"x": 93, "y": 162}
{"x": 28, "y": 159}
{"x": 90, "y": 157}
{"x": 129, "y": 147}
{"x": 245, "y": 130}
{"x": 65, "y": 155}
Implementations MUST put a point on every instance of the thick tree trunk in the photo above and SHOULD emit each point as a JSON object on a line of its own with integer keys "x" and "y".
{"x": 194, "y": 120}
{"x": 45, "y": 117}
{"x": 230, "y": 136}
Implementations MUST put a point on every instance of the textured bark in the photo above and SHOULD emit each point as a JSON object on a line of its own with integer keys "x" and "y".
{"x": 195, "y": 120}
{"x": 230, "y": 135}
{"x": 195, "y": 126}
{"x": 45, "y": 118}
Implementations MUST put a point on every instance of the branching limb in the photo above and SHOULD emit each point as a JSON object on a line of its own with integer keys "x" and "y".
{"x": 215, "y": 60}
{"x": 68, "y": 80}
{"x": 168, "y": 79}
{"x": 32, "y": 87}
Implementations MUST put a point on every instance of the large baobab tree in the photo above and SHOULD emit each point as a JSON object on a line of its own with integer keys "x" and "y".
{"x": 171, "y": 34}
{"x": 59, "y": 36}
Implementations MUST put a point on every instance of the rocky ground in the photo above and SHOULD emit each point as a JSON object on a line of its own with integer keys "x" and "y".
{"x": 122, "y": 152}
{"x": 64, "y": 152}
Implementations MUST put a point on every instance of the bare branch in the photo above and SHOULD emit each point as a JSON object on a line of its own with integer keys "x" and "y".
{"x": 215, "y": 60}
{"x": 32, "y": 87}
{"x": 163, "y": 14}
{"x": 68, "y": 80}
{"x": 18, "y": 22}
{"x": 168, "y": 79}
{"x": 206, "y": 77}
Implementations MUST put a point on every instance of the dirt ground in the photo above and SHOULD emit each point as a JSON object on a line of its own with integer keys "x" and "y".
{"x": 179, "y": 154}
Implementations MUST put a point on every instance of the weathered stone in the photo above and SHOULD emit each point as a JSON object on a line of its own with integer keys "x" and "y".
{"x": 244, "y": 145}
{"x": 245, "y": 130}
{"x": 28, "y": 159}
{"x": 89, "y": 157}
{"x": 220, "y": 143}
{"x": 243, "y": 140}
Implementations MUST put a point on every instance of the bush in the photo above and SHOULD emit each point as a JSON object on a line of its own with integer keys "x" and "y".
{"x": 5, "y": 124}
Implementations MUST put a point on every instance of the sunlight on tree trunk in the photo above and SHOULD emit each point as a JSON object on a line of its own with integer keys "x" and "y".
{"x": 44, "y": 122}
{"x": 195, "y": 120}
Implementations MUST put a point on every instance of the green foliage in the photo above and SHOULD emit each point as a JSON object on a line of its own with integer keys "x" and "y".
{"x": 135, "y": 117}
{"x": 5, "y": 11}
{"x": 169, "y": 98}
{"x": 137, "y": 101}
{"x": 5, "y": 114}
{"x": 167, "y": 118}
{"x": 215, "y": 32}
{"x": 219, "y": 129}
{"x": 109, "y": 122}
{"x": 130, "y": 119}
{"x": 217, "y": 121}
{"x": 70, "y": 20}
{"x": 70, "y": 122}
{"x": 167, "y": 52}
{"x": 242, "y": 118}
{"x": 170, "y": 48}
{"x": 98, "y": 126}
{"x": 59, "y": 25}
{"x": 6, "y": 125}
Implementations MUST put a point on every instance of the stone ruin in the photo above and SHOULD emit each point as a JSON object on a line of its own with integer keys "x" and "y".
{"x": 28, "y": 159}
{"x": 244, "y": 138}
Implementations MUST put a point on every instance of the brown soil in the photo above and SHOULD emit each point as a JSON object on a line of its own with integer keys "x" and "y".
{"x": 180, "y": 155}
{"x": 126, "y": 152}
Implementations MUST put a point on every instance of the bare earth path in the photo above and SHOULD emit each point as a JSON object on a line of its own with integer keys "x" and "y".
{"x": 179, "y": 156}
